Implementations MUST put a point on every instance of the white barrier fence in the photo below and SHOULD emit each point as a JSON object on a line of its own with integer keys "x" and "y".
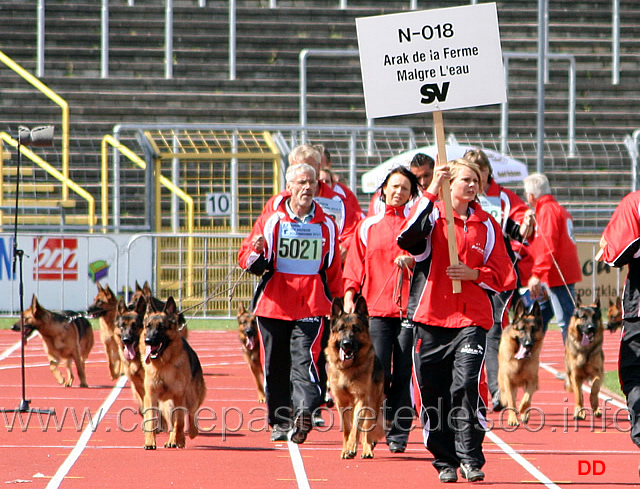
{"x": 62, "y": 270}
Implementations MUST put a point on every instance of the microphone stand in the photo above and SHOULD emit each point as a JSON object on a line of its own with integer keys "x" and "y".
{"x": 18, "y": 255}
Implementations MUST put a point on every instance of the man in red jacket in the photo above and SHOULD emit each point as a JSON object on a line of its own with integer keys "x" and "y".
{"x": 295, "y": 250}
{"x": 620, "y": 245}
{"x": 556, "y": 267}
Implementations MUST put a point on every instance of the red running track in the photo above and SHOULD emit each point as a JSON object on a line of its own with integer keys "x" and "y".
{"x": 234, "y": 451}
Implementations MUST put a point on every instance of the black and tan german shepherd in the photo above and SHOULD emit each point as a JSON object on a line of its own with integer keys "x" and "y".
{"x": 519, "y": 360}
{"x": 66, "y": 336}
{"x": 250, "y": 341}
{"x": 104, "y": 308}
{"x": 173, "y": 376}
{"x": 583, "y": 356}
{"x": 614, "y": 315}
{"x": 356, "y": 378}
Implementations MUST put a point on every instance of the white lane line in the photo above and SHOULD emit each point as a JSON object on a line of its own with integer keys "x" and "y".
{"x": 298, "y": 466}
{"x": 64, "y": 469}
{"x": 506, "y": 448}
{"x": 602, "y": 396}
{"x": 15, "y": 347}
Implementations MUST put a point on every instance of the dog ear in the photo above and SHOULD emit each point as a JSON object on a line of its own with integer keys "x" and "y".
{"x": 121, "y": 307}
{"x": 337, "y": 307}
{"x": 138, "y": 288}
{"x": 170, "y": 308}
{"x": 146, "y": 289}
{"x": 535, "y": 310}
{"x": 109, "y": 292}
{"x": 519, "y": 309}
{"x": 151, "y": 307}
{"x": 361, "y": 307}
{"x": 241, "y": 309}
{"x": 99, "y": 286}
{"x": 141, "y": 306}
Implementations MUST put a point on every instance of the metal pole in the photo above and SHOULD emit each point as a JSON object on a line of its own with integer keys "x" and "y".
{"x": 504, "y": 110}
{"x": 234, "y": 183}
{"x": 542, "y": 7}
{"x": 168, "y": 40}
{"x": 615, "y": 40}
{"x": 353, "y": 176}
{"x": 175, "y": 179}
{"x": 104, "y": 53}
{"x": 232, "y": 40}
{"x": 40, "y": 41}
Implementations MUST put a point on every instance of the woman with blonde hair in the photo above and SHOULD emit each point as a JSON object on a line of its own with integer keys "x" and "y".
{"x": 450, "y": 329}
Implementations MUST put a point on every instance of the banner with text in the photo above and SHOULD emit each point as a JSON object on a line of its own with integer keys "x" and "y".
{"x": 431, "y": 60}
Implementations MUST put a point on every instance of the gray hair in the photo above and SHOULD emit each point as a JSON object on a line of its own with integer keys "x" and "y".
{"x": 537, "y": 185}
{"x": 302, "y": 152}
{"x": 299, "y": 167}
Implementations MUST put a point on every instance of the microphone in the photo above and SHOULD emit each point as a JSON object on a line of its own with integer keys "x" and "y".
{"x": 38, "y": 136}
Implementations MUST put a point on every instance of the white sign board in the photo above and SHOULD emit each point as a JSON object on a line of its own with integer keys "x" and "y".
{"x": 431, "y": 60}
{"x": 218, "y": 204}
{"x": 63, "y": 270}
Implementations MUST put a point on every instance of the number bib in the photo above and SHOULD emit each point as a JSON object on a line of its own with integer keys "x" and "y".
{"x": 335, "y": 208}
{"x": 299, "y": 248}
{"x": 493, "y": 206}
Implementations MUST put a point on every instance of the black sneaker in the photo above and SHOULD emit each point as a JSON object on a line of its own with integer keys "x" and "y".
{"x": 318, "y": 420}
{"x": 471, "y": 473}
{"x": 279, "y": 433}
{"x": 397, "y": 447}
{"x": 301, "y": 428}
{"x": 448, "y": 474}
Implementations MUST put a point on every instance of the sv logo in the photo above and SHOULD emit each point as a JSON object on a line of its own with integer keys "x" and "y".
{"x": 431, "y": 91}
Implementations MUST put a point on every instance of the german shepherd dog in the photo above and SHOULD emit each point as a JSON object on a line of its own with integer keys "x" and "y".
{"x": 614, "y": 315}
{"x": 128, "y": 329}
{"x": 145, "y": 291}
{"x": 248, "y": 336}
{"x": 66, "y": 336}
{"x": 104, "y": 308}
{"x": 356, "y": 378}
{"x": 173, "y": 376}
{"x": 519, "y": 360}
{"x": 583, "y": 356}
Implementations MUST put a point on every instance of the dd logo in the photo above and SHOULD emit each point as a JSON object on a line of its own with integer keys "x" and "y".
{"x": 595, "y": 467}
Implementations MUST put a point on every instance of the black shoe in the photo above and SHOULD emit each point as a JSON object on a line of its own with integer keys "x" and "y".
{"x": 279, "y": 433}
{"x": 448, "y": 474}
{"x": 301, "y": 428}
{"x": 471, "y": 473}
{"x": 396, "y": 447}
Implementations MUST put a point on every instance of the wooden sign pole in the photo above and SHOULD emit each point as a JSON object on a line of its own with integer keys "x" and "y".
{"x": 446, "y": 197}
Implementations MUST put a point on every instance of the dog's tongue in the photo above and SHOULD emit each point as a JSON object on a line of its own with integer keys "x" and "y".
{"x": 342, "y": 355}
{"x": 585, "y": 340}
{"x": 522, "y": 353}
{"x": 250, "y": 343}
{"x": 129, "y": 352}
{"x": 147, "y": 355}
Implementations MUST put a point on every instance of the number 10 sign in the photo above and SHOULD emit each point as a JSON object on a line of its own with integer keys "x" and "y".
{"x": 218, "y": 204}
{"x": 431, "y": 60}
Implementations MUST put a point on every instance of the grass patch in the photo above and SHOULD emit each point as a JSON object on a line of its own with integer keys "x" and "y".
{"x": 612, "y": 382}
{"x": 193, "y": 324}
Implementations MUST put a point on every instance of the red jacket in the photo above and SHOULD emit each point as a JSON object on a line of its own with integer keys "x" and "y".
{"x": 369, "y": 267}
{"x": 300, "y": 266}
{"x": 554, "y": 245}
{"x": 350, "y": 198}
{"x": 623, "y": 243}
{"x": 480, "y": 246}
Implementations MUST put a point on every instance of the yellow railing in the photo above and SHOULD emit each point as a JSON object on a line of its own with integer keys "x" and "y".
{"x": 160, "y": 180}
{"x": 66, "y": 182}
{"x": 56, "y": 99}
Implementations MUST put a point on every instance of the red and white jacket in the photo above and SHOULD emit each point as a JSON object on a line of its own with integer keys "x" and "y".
{"x": 554, "y": 246}
{"x": 623, "y": 248}
{"x": 370, "y": 269}
{"x": 480, "y": 246}
{"x": 300, "y": 266}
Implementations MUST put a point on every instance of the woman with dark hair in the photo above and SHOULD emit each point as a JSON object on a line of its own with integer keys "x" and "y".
{"x": 379, "y": 270}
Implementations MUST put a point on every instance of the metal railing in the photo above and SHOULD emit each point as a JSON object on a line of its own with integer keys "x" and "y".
{"x": 64, "y": 180}
{"x": 53, "y": 96}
